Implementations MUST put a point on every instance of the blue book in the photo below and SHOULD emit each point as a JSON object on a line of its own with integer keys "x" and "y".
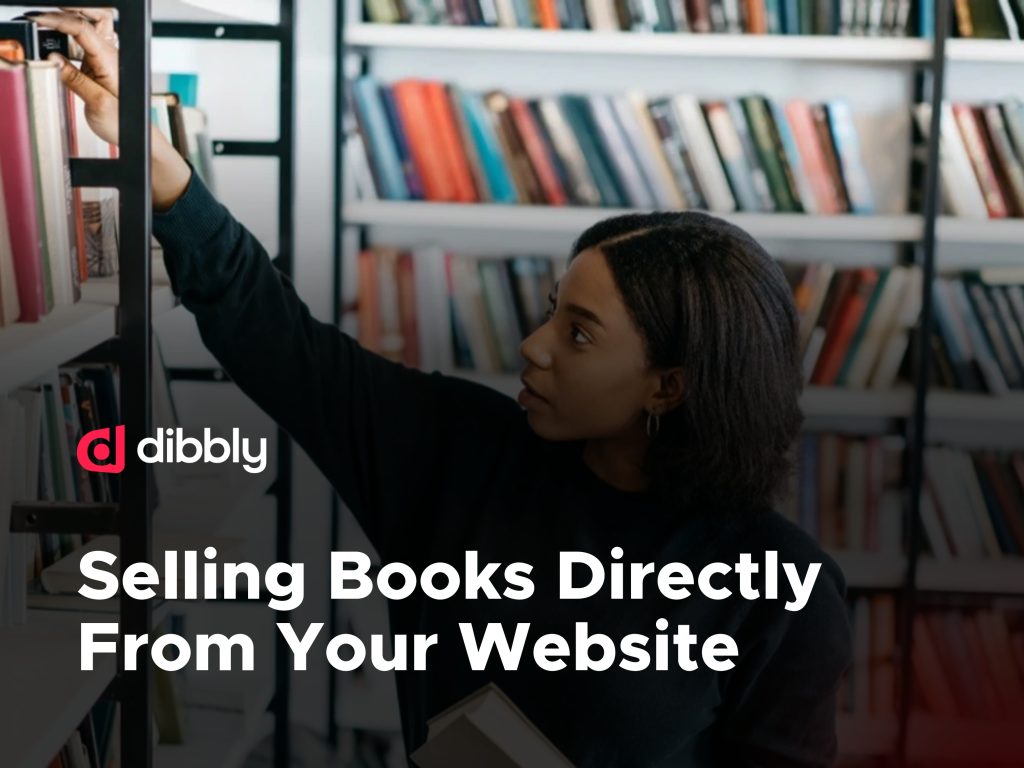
{"x": 412, "y": 177}
{"x": 808, "y": 486}
{"x": 926, "y": 19}
{"x": 577, "y": 115}
{"x": 499, "y": 181}
{"x": 381, "y": 142}
{"x": 791, "y": 17}
{"x": 855, "y": 177}
{"x": 186, "y": 86}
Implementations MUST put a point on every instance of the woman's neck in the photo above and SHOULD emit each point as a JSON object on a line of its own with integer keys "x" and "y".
{"x": 619, "y": 462}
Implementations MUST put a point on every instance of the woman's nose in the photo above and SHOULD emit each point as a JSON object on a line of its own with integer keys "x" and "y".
{"x": 535, "y": 348}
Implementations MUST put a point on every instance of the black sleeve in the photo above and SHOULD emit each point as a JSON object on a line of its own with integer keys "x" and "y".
{"x": 780, "y": 702}
{"x": 380, "y": 432}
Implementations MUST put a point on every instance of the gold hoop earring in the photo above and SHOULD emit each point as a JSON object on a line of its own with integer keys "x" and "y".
{"x": 656, "y": 418}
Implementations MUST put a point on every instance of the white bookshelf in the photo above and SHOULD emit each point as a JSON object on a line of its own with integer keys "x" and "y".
{"x": 571, "y": 221}
{"x": 365, "y": 35}
{"x": 46, "y": 693}
{"x": 980, "y": 231}
{"x": 985, "y": 51}
{"x": 29, "y": 350}
{"x": 871, "y": 570}
{"x": 1004, "y": 575}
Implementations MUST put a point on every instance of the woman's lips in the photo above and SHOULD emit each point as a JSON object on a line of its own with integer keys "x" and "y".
{"x": 529, "y": 396}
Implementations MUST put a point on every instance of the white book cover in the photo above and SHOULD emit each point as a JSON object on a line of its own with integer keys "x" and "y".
{"x": 45, "y": 91}
{"x": 433, "y": 309}
{"x": 705, "y": 157}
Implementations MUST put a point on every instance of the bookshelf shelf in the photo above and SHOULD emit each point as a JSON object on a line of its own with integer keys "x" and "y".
{"x": 47, "y": 693}
{"x": 576, "y": 42}
{"x": 980, "y": 231}
{"x": 969, "y": 406}
{"x": 871, "y": 570}
{"x": 28, "y": 350}
{"x": 214, "y": 739}
{"x": 985, "y": 51}
{"x": 995, "y": 576}
{"x": 571, "y": 221}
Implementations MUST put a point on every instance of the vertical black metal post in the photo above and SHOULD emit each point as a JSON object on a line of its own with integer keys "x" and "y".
{"x": 923, "y": 364}
{"x": 286, "y": 195}
{"x": 134, "y": 328}
{"x": 338, "y": 212}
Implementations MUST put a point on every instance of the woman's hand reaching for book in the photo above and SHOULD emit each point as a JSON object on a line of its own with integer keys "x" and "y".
{"x": 96, "y": 83}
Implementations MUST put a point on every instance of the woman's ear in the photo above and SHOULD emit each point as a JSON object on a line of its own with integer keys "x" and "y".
{"x": 669, "y": 393}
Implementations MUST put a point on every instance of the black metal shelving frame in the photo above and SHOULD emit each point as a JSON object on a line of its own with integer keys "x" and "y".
{"x": 131, "y": 349}
{"x": 132, "y": 518}
{"x": 930, "y": 79}
{"x": 283, "y": 149}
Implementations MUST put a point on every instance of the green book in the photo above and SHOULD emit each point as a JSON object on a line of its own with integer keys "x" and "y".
{"x": 762, "y": 128}
{"x": 577, "y": 115}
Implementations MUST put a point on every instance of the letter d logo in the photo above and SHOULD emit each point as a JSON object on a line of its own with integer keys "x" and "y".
{"x": 95, "y": 454}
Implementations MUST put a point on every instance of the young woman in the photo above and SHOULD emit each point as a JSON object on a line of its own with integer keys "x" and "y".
{"x": 659, "y": 406}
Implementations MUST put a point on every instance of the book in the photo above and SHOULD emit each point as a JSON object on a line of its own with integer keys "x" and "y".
{"x": 486, "y": 728}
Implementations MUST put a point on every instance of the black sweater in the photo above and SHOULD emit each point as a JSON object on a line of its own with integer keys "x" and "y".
{"x": 433, "y": 466}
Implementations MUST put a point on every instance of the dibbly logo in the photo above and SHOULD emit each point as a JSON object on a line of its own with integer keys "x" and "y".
{"x": 99, "y": 452}
{"x": 102, "y": 450}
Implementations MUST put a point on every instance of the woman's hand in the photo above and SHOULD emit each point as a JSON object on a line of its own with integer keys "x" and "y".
{"x": 97, "y": 85}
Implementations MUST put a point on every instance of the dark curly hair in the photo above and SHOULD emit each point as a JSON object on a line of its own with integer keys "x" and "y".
{"x": 705, "y": 296}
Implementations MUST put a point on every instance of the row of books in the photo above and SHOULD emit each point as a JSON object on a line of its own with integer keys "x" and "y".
{"x": 846, "y": 492}
{"x": 981, "y": 158}
{"x": 425, "y": 140}
{"x": 989, "y": 19}
{"x": 980, "y": 341}
{"x": 42, "y": 425}
{"x": 870, "y": 686}
{"x": 855, "y": 324}
{"x": 96, "y": 743}
{"x": 969, "y": 664}
{"x": 756, "y": 17}
{"x": 973, "y": 504}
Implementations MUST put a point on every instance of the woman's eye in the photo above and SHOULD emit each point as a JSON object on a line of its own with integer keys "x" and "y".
{"x": 578, "y": 336}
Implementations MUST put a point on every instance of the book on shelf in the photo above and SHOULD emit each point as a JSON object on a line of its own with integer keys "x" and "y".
{"x": 979, "y": 334}
{"x": 891, "y": 18}
{"x": 54, "y": 237}
{"x": 969, "y": 664}
{"x": 869, "y": 688}
{"x": 847, "y": 492}
{"x": 972, "y": 506}
{"x": 981, "y": 158}
{"x": 989, "y": 19}
{"x": 486, "y": 728}
{"x": 425, "y": 140}
{"x": 95, "y": 743}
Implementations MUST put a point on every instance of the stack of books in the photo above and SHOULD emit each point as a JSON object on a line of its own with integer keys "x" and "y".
{"x": 979, "y": 342}
{"x": 973, "y": 503}
{"x": 969, "y": 665}
{"x": 425, "y": 140}
{"x": 847, "y": 492}
{"x": 753, "y": 17}
{"x": 981, "y": 158}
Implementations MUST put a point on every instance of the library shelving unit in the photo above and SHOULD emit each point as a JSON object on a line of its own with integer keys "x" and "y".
{"x": 46, "y": 695}
{"x": 216, "y": 746}
{"x": 482, "y": 57}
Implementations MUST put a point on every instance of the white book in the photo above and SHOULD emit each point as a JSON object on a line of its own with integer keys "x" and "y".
{"x": 506, "y": 12}
{"x": 965, "y": 191}
{"x": 952, "y": 503}
{"x": 612, "y": 137}
{"x": 933, "y": 527}
{"x": 10, "y": 307}
{"x": 45, "y": 92}
{"x": 469, "y": 303}
{"x": 433, "y": 309}
{"x": 823, "y": 273}
{"x": 708, "y": 167}
{"x": 486, "y": 728}
{"x": 879, "y": 326}
{"x": 632, "y": 112}
{"x": 969, "y": 479}
{"x": 601, "y": 15}
{"x": 1012, "y": 28}
{"x": 895, "y": 347}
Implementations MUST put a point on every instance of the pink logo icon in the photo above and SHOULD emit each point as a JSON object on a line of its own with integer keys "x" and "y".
{"x": 99, "y": 452}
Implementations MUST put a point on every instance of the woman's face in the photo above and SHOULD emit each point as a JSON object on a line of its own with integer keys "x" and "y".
{"x": 586, "y": 373}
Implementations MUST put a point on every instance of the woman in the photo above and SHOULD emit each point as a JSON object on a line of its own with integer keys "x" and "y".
{"x": 660, "y": 402}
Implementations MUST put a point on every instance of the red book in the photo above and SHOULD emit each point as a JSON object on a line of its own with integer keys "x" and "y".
{"x": 450, "y": 143}
{"x": 369, "y": 302}
{"x": 424, "y": 142}
{"x": 18, "y": 177}
{"x": 844, "y": 324}
{"x": 972, "y": 132}
{"x": 529, "y": 133}
{"x": 801, "y": 120}
{"x": 547, "y": 14}
{"x": 757, "y": 17}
